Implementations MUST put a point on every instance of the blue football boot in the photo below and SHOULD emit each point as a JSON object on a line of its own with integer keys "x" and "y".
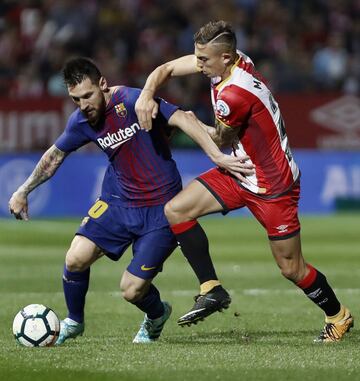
{"x": 150, "y": 329}
{"x": 69, "y": 329}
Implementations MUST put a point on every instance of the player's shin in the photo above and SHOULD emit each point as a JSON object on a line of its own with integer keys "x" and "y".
{"x": 157, "y": 313}
{"x": 318, "y": 290}
{"x": 75, "y": 285}
{"x": 151, "y": 303}
{"x": 338, "y": 319}
{"x": 195, "y": 247}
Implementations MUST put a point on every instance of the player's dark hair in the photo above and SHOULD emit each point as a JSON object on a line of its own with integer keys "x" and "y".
{"x": 217, "y": 32}
{"x": 78, "y": 69}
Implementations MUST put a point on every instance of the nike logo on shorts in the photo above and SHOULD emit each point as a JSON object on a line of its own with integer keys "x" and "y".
{"x": 144, "y": 268}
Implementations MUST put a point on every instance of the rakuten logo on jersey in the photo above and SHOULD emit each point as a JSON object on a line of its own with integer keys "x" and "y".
{"x": 117, "y": 138}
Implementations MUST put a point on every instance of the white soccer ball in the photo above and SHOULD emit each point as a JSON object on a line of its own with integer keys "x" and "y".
{"x": 36, "y": 326}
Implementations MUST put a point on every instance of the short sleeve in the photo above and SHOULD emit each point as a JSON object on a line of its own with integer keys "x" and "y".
{"x": 166, "y": 109}
{"x": 72, "y": 138}
{"x": 232, "y": 107}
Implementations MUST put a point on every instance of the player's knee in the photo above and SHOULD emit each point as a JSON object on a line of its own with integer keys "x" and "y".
{"x": 288, "y": 273}
{"x": 292, "y": 271}
{"x": 169, "y": 212}
{"x": 131, "y": 292}
{"x": 173, "y": 214}
{"x": 74, "y": 261}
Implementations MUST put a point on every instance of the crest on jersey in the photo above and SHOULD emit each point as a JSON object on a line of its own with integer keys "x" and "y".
{"x": 222, "y": 108}
{"x": 121, "y": 109}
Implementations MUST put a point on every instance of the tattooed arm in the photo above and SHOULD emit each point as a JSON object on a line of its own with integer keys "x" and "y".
{"x": 45, "y": 168}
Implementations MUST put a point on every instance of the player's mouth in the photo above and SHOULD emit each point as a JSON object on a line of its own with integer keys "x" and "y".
{"x": 91, "y": 114}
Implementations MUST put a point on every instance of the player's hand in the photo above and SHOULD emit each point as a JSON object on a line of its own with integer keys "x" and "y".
{"x": 146, "y": 109}
{"x": 192, "y": 114}
{"x": 237, "y": 166}
{"x": 18, "y": 206}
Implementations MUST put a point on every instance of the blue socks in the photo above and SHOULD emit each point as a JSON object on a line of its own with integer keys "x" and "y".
{"x": 151, "y": 303}
{"x": 75, "y": 285}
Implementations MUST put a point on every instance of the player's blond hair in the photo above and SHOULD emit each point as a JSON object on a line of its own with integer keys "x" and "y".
{"x": 219, "y": 33}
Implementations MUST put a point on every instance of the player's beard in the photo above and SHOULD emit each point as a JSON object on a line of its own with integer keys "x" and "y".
{"x": 92, "y": 116}
{"x": 96, "y": 115}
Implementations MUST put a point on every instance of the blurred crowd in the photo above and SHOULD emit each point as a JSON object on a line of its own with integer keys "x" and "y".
{"x": 298, "y": 45}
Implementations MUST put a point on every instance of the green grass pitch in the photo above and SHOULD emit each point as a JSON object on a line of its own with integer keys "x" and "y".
{"x": 266, "y": 334}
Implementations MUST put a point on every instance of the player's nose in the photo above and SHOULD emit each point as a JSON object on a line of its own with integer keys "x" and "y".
{"x": 83, "y": 105}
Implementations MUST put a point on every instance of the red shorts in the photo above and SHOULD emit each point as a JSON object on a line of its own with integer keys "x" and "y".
{"x": 278, "y": 215}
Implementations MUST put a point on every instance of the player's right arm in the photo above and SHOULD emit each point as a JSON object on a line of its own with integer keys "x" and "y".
{"x": 221, "y": 134}
{"x": 146, "y": 107}
{"x": 195, "y": 129}
{"x": 45, "y": 168}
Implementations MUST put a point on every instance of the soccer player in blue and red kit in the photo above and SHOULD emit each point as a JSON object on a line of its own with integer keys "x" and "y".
{"x": 140, "y": 179}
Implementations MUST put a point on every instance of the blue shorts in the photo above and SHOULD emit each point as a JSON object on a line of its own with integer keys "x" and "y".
{"x": 114, "y": 228}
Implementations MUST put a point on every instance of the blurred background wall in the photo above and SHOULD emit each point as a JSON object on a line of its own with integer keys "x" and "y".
{"x": 308, "y": 50}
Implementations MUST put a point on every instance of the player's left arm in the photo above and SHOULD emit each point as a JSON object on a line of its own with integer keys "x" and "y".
{"x": 191, "y": 126}
{"x": 45, "y": 168}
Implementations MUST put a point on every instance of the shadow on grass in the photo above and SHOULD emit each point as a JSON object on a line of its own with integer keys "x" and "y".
{"x": 244, "y": 337}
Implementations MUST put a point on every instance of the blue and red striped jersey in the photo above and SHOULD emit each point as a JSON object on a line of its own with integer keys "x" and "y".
{"x": 141, "y": 171}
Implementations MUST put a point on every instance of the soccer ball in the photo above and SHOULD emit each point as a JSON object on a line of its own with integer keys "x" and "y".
{"x": 36, "y": 326}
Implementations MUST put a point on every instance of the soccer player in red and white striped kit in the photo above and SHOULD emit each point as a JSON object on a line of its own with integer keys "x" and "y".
{"x": 248, "y": 119}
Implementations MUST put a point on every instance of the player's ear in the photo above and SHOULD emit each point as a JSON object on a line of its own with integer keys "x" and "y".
{"x": 226, "y": 57}
{"x": 103, "y": 84}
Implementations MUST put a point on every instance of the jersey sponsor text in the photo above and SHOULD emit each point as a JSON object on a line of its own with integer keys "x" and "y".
{"x": 117, "y": 138}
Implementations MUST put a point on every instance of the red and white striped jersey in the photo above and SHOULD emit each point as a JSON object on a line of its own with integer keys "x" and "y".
{"x": 244, "y": 101}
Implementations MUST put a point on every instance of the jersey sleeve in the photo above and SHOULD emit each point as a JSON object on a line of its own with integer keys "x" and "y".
{"x": 72, "y": 138}
{"x": 165, "y": 108}
{"x": 232, "y": 107}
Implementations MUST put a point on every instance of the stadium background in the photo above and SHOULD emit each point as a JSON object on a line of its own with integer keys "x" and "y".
{"x": 308, "y": 51}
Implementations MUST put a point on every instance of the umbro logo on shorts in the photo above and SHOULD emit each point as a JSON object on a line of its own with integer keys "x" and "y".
{"x": 282, "y": 228}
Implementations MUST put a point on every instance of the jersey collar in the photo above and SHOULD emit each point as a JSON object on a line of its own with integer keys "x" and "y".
{"x": 221, "y": 83}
